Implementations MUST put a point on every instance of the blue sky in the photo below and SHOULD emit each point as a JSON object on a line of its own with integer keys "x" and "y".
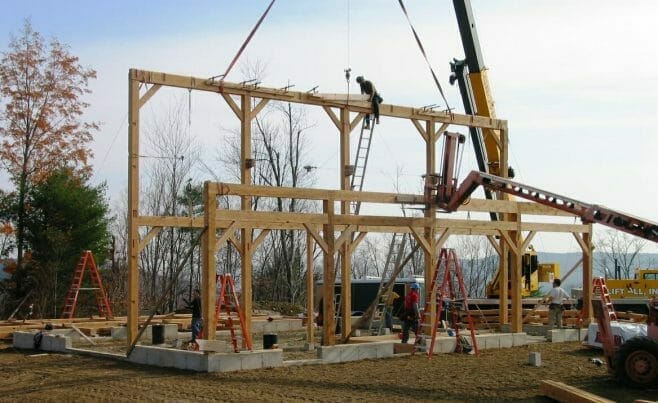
{"x": 576, "y": 79}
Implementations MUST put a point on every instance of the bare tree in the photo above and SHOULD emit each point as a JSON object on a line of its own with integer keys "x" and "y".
{"x": 171, "y": 155}
{"x": 619, "y": 250}
{"x": 478, "y": 261}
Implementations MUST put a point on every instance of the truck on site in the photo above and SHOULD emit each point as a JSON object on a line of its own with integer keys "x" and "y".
{"x": 635, "y": 361}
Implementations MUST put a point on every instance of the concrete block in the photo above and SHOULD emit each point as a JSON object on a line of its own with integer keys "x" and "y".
{"x": 309, "y": 346}
{"x": 212, "y": 345}
{"x": 329, "y": 354}
{"x": 385, "y": 349}
{"x": 349, "y": 352}
{"x": 59, "y": 343}
{"x": 251, "y": 360}
{"x": 23, "y": 340}
{"x": 445, "y": 345}
{"x": 556, "y": 336}
{"x": 488, "y": 341}
{"x": 506, "y": 340}
{"x": 227, "y": 362}
{"x": 272, "y": 358}
{"x": 366, "y": 351}
{"x": 519, "y": 339}
{"x": 120, "y": 333}
{"x": 196, "y": 361}
{"x": 138, "y": 355}
{"x": 534, "y": 359}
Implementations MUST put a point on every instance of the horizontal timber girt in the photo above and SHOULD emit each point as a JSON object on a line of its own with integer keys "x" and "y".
{"x": 201, "y": 84}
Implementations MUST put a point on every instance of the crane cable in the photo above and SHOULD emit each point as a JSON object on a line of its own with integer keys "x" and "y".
{"x": 244, "y": 45}
{"x": 422, "y": 50}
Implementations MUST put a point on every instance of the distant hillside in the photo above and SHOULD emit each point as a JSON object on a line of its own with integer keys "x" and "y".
{"x": 567, "y": 260}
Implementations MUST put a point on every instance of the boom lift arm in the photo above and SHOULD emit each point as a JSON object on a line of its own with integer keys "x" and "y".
{"x": 446, "y": 195}
{"x": 471, "y": 77}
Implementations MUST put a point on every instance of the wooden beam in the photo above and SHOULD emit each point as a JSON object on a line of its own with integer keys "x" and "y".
{"x": 316, "y": 236}
{"x": 259, "y": 107}
{"x": 231, "y": 103}
{"x": 149, "y": 93}
{"x": 147, "y": 238}
{"x": 420, "y": 238}
{"x": 317, "y": 194}
{"x": 443, "y": 237}
{"x": 332, "y": 116}
{"x": 310, "y": 298}
{"x": 508, "y": 240}
{"x": 226, "y": 234}
{"x": 208, "y": 248}
{"x": 583, "y": 246}
{"x": 260, "y": 238}
{"x": 565, "y": 393}
{"x": 357, "y": 241}
{"x": 441, "y": 129}
{"x": 420, "y": 129}
{"x": 343, "y": 97}
{"x": 133, "y": 209}
{"x": 552, "y": 227}
{"x": 345, "y": 236}
{"x": 236, "y": 243}
{"x": 246, "y": 235}
{"x": 357, "y": 119}
{"x": 494, "y": 243}
{"x": 527, "y": 240}
{"x": 174, "y": 80}
{"x": 329, "y": 277}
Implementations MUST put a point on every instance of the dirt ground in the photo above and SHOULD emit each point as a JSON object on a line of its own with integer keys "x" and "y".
{"x": 496, "y": 375}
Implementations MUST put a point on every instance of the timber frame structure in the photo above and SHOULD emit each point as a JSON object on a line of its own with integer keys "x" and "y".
{"x": 223, "y": 226}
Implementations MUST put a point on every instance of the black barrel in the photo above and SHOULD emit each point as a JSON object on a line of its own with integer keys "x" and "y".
{"x": 270, "y": 340}
{"x": 158, "y": 332}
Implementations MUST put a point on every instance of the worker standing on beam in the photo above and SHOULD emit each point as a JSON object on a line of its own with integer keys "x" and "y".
{"x": 367, "y": 87}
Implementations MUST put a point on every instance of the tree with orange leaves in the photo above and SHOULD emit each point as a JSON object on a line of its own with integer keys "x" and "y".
{"x": 42, "y": 87}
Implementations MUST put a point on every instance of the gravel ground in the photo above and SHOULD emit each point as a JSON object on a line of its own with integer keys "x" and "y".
{"x": 496, "y": 375}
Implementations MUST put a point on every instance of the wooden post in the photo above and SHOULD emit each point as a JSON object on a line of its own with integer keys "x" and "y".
{"x": 430, "y": 210}
{"x": 503, "y": 293}
{"x": 345, "y": 255}
{"x": 516, "y": 278}
{"x": 310, "y": 303}
{"x": 133, "y": 208}
{"x": 246, "y": 235}
{"x": 329, "y": 309}
{"x": 587, "y": 274}
{"x": 209, "y": 271}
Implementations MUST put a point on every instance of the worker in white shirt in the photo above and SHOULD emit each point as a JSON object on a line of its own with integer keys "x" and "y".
{"x": 555, "y": 299}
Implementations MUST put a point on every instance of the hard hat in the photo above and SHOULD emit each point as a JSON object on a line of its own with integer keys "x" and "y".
{"x": 359, "y": 79}
{"x": 415, "y": 286}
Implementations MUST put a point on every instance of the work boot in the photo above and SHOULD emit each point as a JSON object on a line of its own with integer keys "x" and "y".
{"x": 367, "y": 126}
{"x": 377, "y": 121}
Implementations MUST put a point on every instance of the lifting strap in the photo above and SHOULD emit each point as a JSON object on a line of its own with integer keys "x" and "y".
{"x": 422, "y": 50}
{"x": 244, "y": 45}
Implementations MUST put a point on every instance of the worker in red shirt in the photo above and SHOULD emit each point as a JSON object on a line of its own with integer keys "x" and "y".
{"x": 411, "y": 313}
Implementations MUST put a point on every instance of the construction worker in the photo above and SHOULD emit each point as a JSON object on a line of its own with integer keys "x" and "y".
{"x": 411, "y": 313}
{"x": 555, "y": 299}
{"x": 388, "y": 313}
{"x": 367, "y": 87}
{"x": 195, "y": 306}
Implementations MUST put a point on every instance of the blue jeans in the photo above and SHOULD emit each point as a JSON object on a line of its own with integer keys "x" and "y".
{"x": 197, "y": 325}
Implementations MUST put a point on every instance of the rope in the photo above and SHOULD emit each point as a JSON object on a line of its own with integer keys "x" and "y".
{"x": 422, "y": 50}
{"x": 246, "y": 42}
